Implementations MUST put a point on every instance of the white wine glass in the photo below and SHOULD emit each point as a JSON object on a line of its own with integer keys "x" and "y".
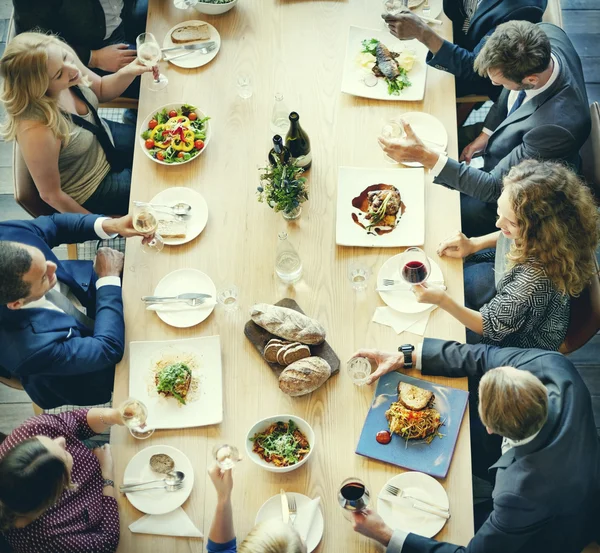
{"x": 149, "y": 54}
{"x": 226, "y": 456}
{"x": 392, "y": 130}
{"x": 145, "y": 221}
{"x": 134, "y": 415}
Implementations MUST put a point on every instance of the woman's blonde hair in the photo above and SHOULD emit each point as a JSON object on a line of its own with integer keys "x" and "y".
{"x": 272, "y": 536}
{"x": 558, "y": 223}
{"x": 512, "y": 402}
{"x": 24, "y": 70}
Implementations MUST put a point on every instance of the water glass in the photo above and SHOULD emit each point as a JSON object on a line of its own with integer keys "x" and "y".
{"x": 226, "y": 456}
{"x": 134, "y": 415}
{"x": 280, "y": 122}
{"x": 244, "y": 86}
{"x": 392, "y": 130}
{"x": 358, "y": 275}
{"x": 228, "y": 298}
{"x": 359, "y": 369}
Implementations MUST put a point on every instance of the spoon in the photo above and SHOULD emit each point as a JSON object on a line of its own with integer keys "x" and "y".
{"x": 180, "y": 208}
{"x": 172, "y": 478}
{"x": 168, "y": 487}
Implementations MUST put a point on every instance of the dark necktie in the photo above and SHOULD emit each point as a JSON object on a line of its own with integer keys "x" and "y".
{"x": 518, "y": 103}
{"x": 470, "y": 6}
{"x": 62, "y": 302}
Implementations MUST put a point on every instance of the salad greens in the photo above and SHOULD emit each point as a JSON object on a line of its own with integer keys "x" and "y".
{"x": 397, "y": 85}
{"x": 173, "y": 379}
{"x": 279, "y": 441}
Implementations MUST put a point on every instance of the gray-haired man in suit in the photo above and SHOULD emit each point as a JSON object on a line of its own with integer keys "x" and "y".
{"x": 546, "y": 496}
{"x": 542, "y": 113}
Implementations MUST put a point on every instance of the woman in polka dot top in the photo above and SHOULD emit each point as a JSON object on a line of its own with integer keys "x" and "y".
{"x": 56, "y": 495}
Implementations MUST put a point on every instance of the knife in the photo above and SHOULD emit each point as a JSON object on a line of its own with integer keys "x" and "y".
{"x": 188, "y": 296}
{"x": 404, "y": 288}
{"x": 204, "y": 50}
{"x": 407, "y": 502}
{"x": 285, "y": 508}
{"x": 189, "y": 47}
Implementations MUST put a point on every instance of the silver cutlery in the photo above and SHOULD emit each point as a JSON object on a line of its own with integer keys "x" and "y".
{"x": 189, "y": 298}
{"x": 391, "y": 282}
{"x": 180, "y": 208}
{"x": 168, "y": 487}
{"x": 172, "y": 478}
{"x": 405, "y": 501}
{"x": 205, "y": 50}
{"x": 285, "y": 506}
{"x": 426, "y": 11}
{"x": 399, "y": 492}
{"x": 188, "y": 47}
{"x": 292, "y": 508}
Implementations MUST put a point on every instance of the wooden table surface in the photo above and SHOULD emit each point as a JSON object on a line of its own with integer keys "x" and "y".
{"x": 297, "y": 48}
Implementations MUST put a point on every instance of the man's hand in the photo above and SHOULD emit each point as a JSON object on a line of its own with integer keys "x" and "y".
{"x": 478, "y": 145}
{"x": 386, "y": 362}
{"x": 124, "y": 227}
{"x": 104, "y": 456}
{"x": 429, "y": 294}
{"x": 108, "y": 262}
{"x": 112, "y": 58}
{"x": 458, "y": 246}
{"x": 405, "y": 25}
{"x": 222, "y": 481}
{"x": 409, "y": 148}
{"x": 370, "y": 524}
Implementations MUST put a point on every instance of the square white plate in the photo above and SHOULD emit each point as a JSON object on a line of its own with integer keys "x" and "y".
{"x": 205, "y": 400}
{"x": 352, "y": 79}
{"x": 410, "y": 231}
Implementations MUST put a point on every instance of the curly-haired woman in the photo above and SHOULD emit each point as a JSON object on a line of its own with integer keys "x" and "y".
{"x": 79, "y": 162}
{"x": 545, "y": 253}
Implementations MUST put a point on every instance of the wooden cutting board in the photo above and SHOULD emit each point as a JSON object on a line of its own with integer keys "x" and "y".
{"x": 259, "y": 337}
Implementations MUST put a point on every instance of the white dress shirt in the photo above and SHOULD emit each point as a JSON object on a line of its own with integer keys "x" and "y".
{"x": 112, "y": 14}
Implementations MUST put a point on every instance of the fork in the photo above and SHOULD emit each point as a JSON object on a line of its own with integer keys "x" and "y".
{"x": 204, "y": 50}
{"x": 398, "y": 492}
{"x": 391, "y": 282}
{"x": 292, "y": 508}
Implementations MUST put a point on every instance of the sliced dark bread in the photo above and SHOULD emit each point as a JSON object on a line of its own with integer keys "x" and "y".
{"x": 295, "y": 353}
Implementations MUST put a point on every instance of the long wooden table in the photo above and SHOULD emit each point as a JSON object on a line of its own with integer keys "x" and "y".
{"x": 295, "y": 47}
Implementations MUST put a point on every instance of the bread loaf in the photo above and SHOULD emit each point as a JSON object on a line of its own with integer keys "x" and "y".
{"x": 304, "y": 376}
{"x": 287, "y": 323}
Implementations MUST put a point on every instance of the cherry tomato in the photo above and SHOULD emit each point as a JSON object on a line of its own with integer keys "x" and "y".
{"x": 172, "y": 113}
{"x": 180, "y": 155}
{"x": 160, "y": 156}
{"x": 199, "y": 144}
{"x": 153, "y": 123}
{"x": 149, "y": 144}
{"x": 192, "y": 116}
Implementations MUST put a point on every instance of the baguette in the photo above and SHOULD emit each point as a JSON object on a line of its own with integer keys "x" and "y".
{"x": 190, "y": 33}
{"x": 288, "y": 324}
{"x": 304, "y": 376}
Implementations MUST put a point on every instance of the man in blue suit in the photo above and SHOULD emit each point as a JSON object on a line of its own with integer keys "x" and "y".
{"x": 546, "y": 471}
{"x": 61, "y": 322}
{"x": 472, "y": 21}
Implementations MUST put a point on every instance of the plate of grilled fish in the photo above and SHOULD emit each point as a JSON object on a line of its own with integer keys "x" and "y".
{"x": 379, "y": 66}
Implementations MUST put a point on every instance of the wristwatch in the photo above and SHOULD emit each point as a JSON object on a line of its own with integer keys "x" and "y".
{"x": 406, "y": 350}
{"x": 108, "y": 482}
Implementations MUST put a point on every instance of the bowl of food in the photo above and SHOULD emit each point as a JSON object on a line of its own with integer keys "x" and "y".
{"x": 215, "y": 7}
{"x": 175, "y": 134}
{"x": 280, "y": 444}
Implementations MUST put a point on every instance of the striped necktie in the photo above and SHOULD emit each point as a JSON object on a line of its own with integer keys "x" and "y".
{"x": 62, "y": 302}
{"x": 518, "y": 103}
{"x": 470, "y": 6}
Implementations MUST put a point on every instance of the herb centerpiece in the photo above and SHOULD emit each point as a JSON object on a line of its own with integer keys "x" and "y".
{"x": 283, "y": 188}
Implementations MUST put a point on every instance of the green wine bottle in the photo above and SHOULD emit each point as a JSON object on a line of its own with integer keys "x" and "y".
{"x": 298, "y": 143}
{"x": 279, "y": 152}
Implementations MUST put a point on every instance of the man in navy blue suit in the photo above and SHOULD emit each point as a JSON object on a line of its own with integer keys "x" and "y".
{"x": 473, "y": 21}
{"x": 61, "y": 322}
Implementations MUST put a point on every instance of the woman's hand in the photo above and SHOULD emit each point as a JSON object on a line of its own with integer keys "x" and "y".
{"x": 386, "y": 362}
{"x": 104, "y": 456}
{"x": 458, "y": 246}
{"x": 222, "y": 481}
{"x": 429, "y": 294}
{"x": 135, "y": 68}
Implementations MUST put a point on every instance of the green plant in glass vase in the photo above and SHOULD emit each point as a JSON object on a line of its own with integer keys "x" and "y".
{"x": 283, "y": 188}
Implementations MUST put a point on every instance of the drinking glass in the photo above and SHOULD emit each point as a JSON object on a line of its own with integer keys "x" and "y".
{"x": 226, "y": 456}
{"x": 135, "y": 414}
{"x": 392, "y": 129}
{"x": 145, "y": 221}
{"x": 280, "y": 122}
{"x": 244, "y": 85}
{"x": 358, "y": 275}
{"x": 228, "y": 298}
{"x": 394, "y": 6}
{"x": 149, "y": 54}
{"x": 353, "y": 495}
{"x": 359, "y": 369}
{"x": 414, "y": 266}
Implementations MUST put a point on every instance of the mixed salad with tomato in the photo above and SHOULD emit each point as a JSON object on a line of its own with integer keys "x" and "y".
{"x": 175, "y": 136}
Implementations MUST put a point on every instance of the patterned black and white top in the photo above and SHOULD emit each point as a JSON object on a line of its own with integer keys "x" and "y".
{"x": 527, "y": 311}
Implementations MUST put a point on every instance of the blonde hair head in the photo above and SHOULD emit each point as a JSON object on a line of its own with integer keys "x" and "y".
{"x": 558, "y": 223}
{"x": 24, "y": 70}
{"x": 272, "y": 536}
{"x": 512, "y": 403}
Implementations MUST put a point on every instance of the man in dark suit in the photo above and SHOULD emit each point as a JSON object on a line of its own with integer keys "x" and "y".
{"x": 102, "y": 32}
{"x": 546, "y": 496}
{"x": 472, "y": 22}
{"x": 61, "y": 322}
{"x": 541, "y": 113}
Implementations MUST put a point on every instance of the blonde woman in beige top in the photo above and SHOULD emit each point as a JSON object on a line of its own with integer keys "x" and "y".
{"x": 45, "y": 86}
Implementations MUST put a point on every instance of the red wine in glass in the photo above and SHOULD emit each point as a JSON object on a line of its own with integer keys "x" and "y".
{"x": 353, "y": 495}
{"x": 415, "y": 272}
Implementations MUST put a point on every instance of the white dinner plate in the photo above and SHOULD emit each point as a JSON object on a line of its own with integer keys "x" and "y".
{"x": 195, "y": 221}
{"x": 195, "y": 59}
{"x": 185, "y": 281}
{"x": 404, "y": 300}
{"x": 426, "y": 127}
{"x": 204, "y": 402}
{"x": 158, "y": 502}
{"x": 354, "y": 74}
{"x": 407, "y": 518}
{"x": 271, "y": 509}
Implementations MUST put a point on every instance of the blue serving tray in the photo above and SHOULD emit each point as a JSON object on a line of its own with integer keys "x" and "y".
{"x": 433, "y": 458}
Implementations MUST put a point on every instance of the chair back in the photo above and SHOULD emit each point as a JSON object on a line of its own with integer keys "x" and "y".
{"x": 553, "y": 13}
{"x": 590, "y": 153}
{"x": 26, "y": 193}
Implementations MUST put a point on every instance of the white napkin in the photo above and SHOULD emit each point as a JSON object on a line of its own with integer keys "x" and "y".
{"x": 401, "y": 322}
{"x": 179, "y": 306}
{"x": 306, "y": 517}
{"x": 175, "y": 523}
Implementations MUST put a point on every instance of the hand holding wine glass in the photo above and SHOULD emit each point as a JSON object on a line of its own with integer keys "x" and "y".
{"x": 145, "y": 221}
{"x": 429, "y": 294}
{"x": 134, "y": 415}
{"x": 149, "y": 54}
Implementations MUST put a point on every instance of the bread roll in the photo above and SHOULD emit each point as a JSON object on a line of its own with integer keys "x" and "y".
{"x": 287, "y": 323}
{"x": 304, "y": 376}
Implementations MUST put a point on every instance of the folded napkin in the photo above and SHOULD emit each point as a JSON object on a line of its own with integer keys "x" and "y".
{"x": 306, "y": 517}
{"x": 166, "y": 307}
{"x": 175, "y": 523}
{"x": 401, "y": 322}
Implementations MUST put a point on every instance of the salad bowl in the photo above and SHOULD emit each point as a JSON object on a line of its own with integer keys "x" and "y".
{"x": 211, "y": 8}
